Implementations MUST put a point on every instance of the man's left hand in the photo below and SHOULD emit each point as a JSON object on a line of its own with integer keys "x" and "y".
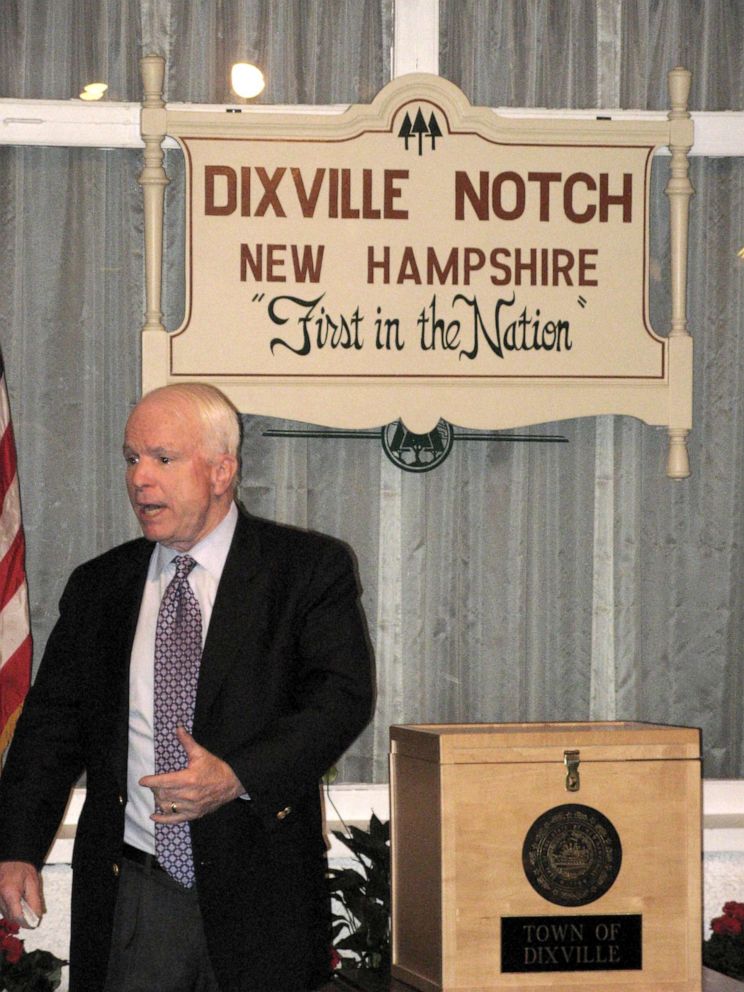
{"x": 203, "y": 786}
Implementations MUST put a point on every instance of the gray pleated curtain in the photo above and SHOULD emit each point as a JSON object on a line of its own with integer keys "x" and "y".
{"x": 515, "y": 582}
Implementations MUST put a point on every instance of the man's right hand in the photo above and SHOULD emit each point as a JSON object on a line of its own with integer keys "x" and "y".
{"x": 19, "y": 879}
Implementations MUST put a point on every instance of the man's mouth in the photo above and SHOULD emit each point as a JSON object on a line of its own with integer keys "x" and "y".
{"x": 149, "y": 509}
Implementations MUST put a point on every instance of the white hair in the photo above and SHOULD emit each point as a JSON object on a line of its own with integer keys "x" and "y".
{"x": 220, "y": 420}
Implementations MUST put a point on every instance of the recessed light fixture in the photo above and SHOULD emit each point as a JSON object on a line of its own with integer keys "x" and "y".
{"x": 246, "y": 80}
{"x": 93, "y": 91}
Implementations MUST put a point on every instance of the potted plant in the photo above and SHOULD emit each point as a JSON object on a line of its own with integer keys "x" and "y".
{"x": 361, "y": 906}
{"x": 723, "y": 952}
{"x": 26, "y": 971}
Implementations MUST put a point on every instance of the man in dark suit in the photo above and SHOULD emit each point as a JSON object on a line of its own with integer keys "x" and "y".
{"x": 282, "y": 680}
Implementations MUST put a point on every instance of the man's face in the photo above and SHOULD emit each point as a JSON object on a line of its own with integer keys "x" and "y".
{"x": 177, "y": 493}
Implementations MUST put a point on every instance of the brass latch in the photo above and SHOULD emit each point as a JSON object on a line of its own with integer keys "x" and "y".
{"x": 571, "y": 761}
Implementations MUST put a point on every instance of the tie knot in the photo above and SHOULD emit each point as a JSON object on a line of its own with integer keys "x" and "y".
{"x": 184, "y": 564}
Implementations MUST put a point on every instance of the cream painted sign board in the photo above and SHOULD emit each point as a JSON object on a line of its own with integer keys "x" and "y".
{"x": 420, "y": 258}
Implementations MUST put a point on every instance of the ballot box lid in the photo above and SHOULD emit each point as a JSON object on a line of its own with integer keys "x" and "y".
{"x": 468, "y": 743}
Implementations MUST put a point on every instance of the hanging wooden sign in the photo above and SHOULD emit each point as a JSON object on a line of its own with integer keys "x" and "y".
{"x": 420, "y": 258}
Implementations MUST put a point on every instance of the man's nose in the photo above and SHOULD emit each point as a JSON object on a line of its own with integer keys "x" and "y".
{"x": 139, "y": 475}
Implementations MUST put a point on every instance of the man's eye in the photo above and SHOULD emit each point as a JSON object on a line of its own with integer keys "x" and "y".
{"x": 164, "y": 460}
{"x": 130, "y": 459}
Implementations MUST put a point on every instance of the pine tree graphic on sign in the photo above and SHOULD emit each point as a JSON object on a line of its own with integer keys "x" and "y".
{"x": 420, "y": 129}
{"x": 405, "y": 130}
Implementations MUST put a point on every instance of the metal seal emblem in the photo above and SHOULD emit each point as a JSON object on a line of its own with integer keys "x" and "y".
{"x": 572, "y": 855}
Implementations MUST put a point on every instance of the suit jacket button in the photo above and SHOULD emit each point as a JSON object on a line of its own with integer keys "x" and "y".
{"x": 121, "y": 800}
{"x": 115, "y": 869}
{"x": 284, "y": 813}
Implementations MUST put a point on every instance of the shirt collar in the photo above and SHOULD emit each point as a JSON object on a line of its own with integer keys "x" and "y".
{"x": 210, "y": 552}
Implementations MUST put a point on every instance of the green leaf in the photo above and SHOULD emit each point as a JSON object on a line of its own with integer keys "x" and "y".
{"x": 364, "y": 895}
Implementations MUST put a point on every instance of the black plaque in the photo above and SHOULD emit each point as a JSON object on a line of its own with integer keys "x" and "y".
{"x": 572, "y": 855}
{"x": 571, "y": 943}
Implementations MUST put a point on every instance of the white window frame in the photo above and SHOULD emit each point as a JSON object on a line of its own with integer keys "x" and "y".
{"x": 75, "y": 123}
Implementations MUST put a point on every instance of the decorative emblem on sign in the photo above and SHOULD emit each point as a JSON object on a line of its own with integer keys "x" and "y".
{"x": 417, "y": 452}
{"x": 413, "y": 452}
{"x": 420, "y": 129}
{"x": 572, "y": 855}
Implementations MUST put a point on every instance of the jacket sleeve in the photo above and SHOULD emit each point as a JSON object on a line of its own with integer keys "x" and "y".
{"x": 45, "y": 758}
{"x": 332, "y": 690}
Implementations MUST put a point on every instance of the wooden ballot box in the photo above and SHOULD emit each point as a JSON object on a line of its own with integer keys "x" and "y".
{"x": 539, "y": 856}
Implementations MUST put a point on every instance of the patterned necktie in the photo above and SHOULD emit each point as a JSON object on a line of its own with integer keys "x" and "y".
{"x": 178, "y": 648}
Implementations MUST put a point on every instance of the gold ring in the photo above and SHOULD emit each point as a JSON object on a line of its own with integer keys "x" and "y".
{"x": 174, "y": 808}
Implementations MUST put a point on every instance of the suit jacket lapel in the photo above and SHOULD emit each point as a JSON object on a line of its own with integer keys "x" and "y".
{"x": 232, "y": 612}
{"x": 125, "y": 601}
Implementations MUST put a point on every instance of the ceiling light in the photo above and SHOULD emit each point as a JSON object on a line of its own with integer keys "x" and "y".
{"x": 93, "y": 91}
{"x": 247, "y": 80}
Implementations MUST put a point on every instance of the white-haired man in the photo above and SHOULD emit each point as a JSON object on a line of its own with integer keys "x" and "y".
{"x": 204, "y": 677}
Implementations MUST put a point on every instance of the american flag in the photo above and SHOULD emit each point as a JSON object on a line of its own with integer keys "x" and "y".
{"x": 15, "y": 632}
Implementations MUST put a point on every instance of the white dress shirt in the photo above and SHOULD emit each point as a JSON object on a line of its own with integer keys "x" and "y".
{"x": 209, "y": 554}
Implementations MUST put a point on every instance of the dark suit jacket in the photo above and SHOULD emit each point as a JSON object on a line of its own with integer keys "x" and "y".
{"x": 284, "y": 688}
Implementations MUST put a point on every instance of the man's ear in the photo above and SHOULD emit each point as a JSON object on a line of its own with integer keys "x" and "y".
{"x": 223, "y": 473}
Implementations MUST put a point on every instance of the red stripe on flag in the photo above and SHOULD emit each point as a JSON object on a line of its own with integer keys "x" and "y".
{"x": 7, "y": 460}
{"x": 15, "y": 678}
{"x": 12, "y": 573}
